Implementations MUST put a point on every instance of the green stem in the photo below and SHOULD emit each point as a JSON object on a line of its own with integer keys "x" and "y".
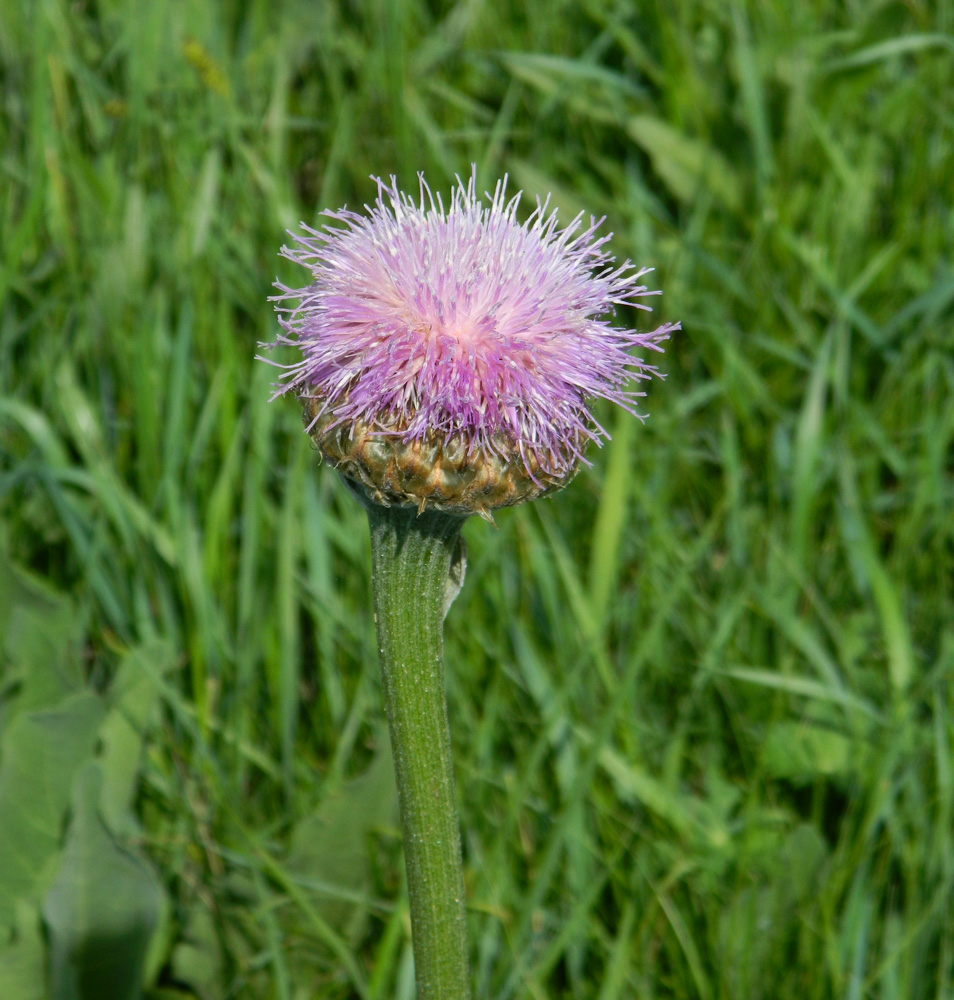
{"x": 416, "y": 564}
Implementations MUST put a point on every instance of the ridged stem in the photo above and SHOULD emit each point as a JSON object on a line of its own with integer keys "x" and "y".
{"x": 417, "y": 567}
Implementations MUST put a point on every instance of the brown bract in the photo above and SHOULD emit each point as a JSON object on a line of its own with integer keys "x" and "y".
{"x": 429, "y": 473}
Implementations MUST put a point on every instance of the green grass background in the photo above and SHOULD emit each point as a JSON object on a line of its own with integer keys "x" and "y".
{"x": 701, "y": 702}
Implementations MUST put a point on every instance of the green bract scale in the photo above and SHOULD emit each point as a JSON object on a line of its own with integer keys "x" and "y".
{"x": 428, "y": 472}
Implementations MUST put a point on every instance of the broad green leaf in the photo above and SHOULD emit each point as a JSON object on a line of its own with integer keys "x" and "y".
{"x": 22, "y": 960}
{"x": 133, "y": 696}
{"x": 103, "y": 909}
{"x": 38, "y": 627}
{"x": 806, "y": 752}
{"x": 198, "y": 960}
{"x": 42, "y": 751}
{"x": 329, "y": 852}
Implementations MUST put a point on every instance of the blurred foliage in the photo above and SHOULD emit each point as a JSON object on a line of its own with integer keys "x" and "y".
{"x": 701, "y": 701}
{"x": 64, "y": 742}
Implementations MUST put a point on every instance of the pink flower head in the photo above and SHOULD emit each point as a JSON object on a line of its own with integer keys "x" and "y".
{"x": 430, "y": 323}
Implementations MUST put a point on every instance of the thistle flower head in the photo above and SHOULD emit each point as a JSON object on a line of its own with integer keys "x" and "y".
{"x": 450, "y": 355}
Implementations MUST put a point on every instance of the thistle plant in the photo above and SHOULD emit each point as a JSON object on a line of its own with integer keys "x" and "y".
{"x": 449, "y": 359}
